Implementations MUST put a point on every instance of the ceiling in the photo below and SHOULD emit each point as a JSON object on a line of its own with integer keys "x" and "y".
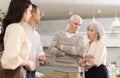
{"x": 62, "y": 9}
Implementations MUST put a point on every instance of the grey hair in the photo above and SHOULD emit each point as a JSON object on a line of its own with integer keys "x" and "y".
{"x": 99, "y": 28}
{"x": 76, "y": 16}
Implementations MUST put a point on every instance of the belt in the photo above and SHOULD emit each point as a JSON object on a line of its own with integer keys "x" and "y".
{"x": 28, "y": 71}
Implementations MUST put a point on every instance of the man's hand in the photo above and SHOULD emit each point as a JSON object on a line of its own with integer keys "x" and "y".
{"x": 43, "y": 57}
{"x": 76, "y": 44}
{"x": 58, "y": 46}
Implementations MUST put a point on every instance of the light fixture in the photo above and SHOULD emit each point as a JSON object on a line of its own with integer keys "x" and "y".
{"x": 71, "y": 8}
{"x": 99, "y": 10}
{"x": 116, "y": 23}
{"x": 93, "y": 19}
{"x": 43, "y": 14}
{"x": 70, "y": 13}
{"x": 93, "y": 12}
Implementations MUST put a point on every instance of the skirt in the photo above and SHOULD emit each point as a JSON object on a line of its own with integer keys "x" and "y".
{"x": 20, "y": 72}
{"x": 97, "y": 72}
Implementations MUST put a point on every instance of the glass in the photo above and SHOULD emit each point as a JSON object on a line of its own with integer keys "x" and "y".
{"x": 117, "y": 73}
{"x": 114, "y": 70}
{"x": 82, "y": 73}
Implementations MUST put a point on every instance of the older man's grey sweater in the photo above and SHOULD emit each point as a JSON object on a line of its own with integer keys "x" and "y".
{"x": 66, "y": 57}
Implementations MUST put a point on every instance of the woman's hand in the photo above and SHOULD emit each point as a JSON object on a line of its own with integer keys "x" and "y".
{"x": 87, "y": 67}
{"x": 81, "y": 60}
{"x": 28, "y": 64}
{"x": 89, "y": 62}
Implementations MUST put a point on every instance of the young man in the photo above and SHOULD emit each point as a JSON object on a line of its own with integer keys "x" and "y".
{"x": 36, "y": 52}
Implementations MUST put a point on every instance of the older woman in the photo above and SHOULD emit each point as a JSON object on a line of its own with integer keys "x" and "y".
{"x": 94, "y": 56}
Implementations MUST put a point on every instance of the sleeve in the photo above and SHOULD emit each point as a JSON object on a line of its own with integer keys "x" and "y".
{"x": 74, "y": 49}
{"x": 11, "y": 58}
{"x": 100, "y": 55}
{"x": 52, "y": 49}
{"x": 40, "y": 48}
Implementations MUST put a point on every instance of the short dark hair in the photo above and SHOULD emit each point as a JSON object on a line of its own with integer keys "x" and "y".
{"x": 34, "y": 8}
{"x": 15, "y": 13}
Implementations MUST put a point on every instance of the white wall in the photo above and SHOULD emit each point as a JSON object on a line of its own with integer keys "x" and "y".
{"x": 52, "y": 26}
{"x": 48, "y": 28}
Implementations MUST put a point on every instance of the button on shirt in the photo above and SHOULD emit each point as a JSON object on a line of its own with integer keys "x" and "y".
{"x": 36, "y": 49}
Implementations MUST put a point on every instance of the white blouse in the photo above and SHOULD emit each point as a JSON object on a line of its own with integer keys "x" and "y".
{"x": 98, "y": 50}
{"x": 17, "y": 46}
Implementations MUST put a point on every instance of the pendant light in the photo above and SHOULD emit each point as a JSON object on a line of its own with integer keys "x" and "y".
{"x": 116, "y": 23}
{"x": 93, "y": 12}
{"x": 71, "y": 8}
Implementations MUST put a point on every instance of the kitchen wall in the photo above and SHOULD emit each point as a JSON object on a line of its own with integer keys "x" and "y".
{"x": 48, "y": 28}
{"x": 52, "y": 26}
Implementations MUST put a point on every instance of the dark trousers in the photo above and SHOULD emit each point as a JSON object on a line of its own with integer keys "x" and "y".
{"x": 30, "y": 74}
{"x": 97, "y": 72}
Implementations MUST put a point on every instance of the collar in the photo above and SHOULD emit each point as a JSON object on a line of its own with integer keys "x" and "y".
{"x": 28, "y": 26}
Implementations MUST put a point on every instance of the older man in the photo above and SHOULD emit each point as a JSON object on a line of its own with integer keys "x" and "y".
{"x": 67, "y": 46}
